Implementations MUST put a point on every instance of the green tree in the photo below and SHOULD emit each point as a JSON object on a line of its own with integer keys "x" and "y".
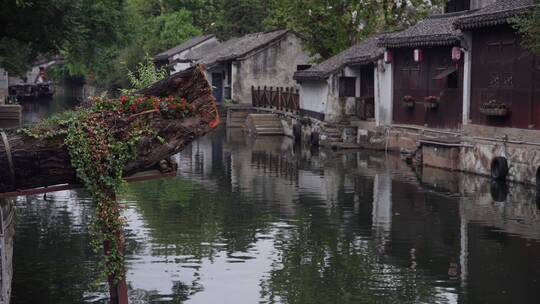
{"x": 28, "y": 29}
{"x": 529, "y": 27}
{"x": 241, "y": 17}
{"x": 205, "y": 13}
{"x": 331, "y": 26}
{"x": 95, "y": 36}
{"x": 168, "y": 30}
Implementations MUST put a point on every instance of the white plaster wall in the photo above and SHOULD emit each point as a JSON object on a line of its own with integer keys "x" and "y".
{"x": 273, "y": 66}
{"x": 334, "y": 106}
{"x": 180, "y": 66}
{"x": 313, "y": 96}
{"x": 383, "y": 93}
{"x": 467, "y": 64}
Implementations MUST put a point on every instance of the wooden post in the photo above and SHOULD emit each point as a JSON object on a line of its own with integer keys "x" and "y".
{"x": 280, "y": 95}
{"x": 117, "y": 291}
{"x": 270, "y": 96}
{"x": 286, "y": 99}
{"x": 253, "y": 102}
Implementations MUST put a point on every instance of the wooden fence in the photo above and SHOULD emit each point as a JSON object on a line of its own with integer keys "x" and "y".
{"x": 284, "y": 99}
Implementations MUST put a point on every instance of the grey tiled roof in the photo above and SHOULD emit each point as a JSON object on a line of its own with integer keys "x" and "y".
{"x": 361, "y": 53}
{"x": 241, "y": 46}
{"x": 436, "y": 30}
{"x": 182, "y": 47}
{"x": 495, "y": 14}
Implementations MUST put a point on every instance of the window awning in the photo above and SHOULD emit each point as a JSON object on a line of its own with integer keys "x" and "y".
{"x": 445, "y": 73}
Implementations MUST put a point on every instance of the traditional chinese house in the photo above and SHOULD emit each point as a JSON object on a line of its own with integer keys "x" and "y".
{"x": 428, "y": 73}
{"x": 503, "y": 99}
{"x": 266, "y": 59}
{"x": 344, "y": 87}
{"x": 183, "y": 55}
{"x": 505, "y": 78}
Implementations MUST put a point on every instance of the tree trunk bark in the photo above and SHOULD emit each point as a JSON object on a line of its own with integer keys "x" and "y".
{"x": 46, "y": 162}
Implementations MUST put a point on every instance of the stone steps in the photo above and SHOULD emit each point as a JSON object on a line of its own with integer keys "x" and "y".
{"x": 264, "y": 124}
{"x": 236, "y": 119}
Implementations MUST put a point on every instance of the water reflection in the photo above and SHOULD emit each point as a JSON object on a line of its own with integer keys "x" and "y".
{"x": 36, "y": 110}
{"x": 263, "y": 221}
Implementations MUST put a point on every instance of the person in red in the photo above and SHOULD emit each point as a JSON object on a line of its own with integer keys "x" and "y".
{"x": 41, "y": 75}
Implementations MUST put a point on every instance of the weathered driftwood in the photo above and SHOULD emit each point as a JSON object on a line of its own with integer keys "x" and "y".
{"x": 46, "y": 162}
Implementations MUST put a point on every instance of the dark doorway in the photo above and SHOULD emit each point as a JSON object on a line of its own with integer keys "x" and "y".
{"x": 217, "y": 83}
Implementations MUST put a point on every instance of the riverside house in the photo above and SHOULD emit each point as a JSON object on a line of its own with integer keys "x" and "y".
{"x": 265, "y": 59}
{"x": 502, "y": 122}
{"x": 428, "y": 73}
{"x": 347, "y": 87}
{"x": 183, "y": 55}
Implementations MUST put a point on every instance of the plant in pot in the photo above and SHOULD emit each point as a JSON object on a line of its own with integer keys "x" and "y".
{"x": 494, "y": 108}
{"x": 431, "y": 102}
{"x": 408, "y": 101}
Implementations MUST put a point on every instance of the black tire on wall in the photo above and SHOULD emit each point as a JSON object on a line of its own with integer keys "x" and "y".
{"x": 499, "y": 168}
{"x": 538, "y": 179}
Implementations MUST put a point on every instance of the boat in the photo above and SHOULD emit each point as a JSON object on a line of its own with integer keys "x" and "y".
{"x": 23, "y": 91}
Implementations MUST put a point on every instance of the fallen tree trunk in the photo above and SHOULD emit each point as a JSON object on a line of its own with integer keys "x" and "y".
{"x": 27, "y": 162}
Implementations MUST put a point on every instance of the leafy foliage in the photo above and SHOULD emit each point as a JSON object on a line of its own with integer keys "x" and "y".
{"x": 146, "y": 74}
{"x": 241, "y": 17}
{"x": 329, "y": 27}
{"x": 100, "y": 141}
{"x": 529, "y": 27}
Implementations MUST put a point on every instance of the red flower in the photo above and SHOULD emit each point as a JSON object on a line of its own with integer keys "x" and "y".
{"x": 123, "y": 99}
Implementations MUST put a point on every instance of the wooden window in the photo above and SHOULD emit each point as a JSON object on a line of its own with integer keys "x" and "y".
{"x": 347, "y": 86}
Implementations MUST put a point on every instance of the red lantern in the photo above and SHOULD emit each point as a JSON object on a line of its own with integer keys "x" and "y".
{"x": 456, "y": 54}
{"x": 418, "y": 55}
{"x": 387, "y": 56}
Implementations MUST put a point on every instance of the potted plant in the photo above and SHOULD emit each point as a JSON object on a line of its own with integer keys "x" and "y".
{"x": 494, "y": 108}
{"x": 431, "y": 102}
{"x": 408, "y": 101}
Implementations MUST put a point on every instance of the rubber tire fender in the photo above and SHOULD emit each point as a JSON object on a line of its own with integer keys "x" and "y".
{"x": 499, "y": 168}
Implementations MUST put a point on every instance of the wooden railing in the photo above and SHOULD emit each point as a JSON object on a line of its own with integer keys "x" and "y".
{"x": 284, "y": 99}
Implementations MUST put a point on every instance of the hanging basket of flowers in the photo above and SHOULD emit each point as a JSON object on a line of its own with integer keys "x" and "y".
{"x": 494, "y": 108}
{"x": 408, "y": 101}
{"x": 431, "y": 102}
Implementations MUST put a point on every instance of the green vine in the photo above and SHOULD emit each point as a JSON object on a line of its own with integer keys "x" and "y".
{"x": 100, "y": 141}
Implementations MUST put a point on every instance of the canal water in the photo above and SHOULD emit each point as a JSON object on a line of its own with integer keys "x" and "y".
{"x": 263, "y": 221}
